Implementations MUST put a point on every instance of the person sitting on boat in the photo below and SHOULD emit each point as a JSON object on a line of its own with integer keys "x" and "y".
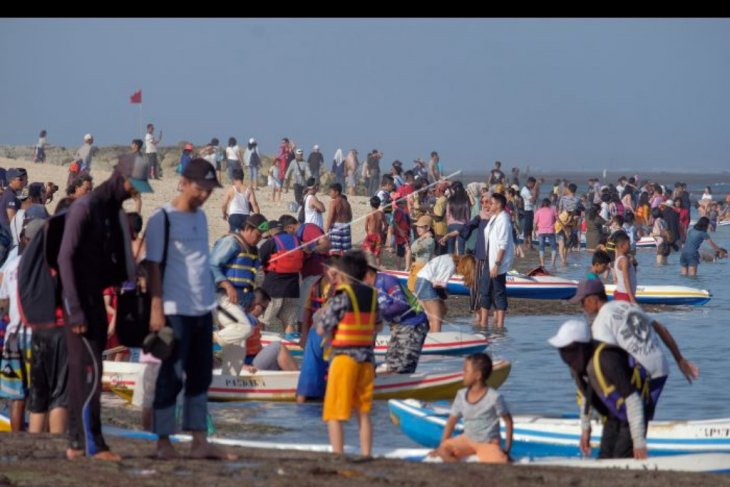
{"x": 408, "y": 322}
{"x": 481, "y": 407}
{"x": 625, "y": 325}
{"x": 350, "y": 321}
{"x": 611, "y": 382}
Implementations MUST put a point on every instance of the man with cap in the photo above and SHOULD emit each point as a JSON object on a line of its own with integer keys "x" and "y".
{"x": 83, "y": 154}
{"x": 95, "y": 254}
{"x": 625, "y": 325}
{"x": 252, "y": 160}
{"x": 300, "y": 169}
{"x": 315, "y": 162}
{"x": 17, "y": 179}
{"x": 183, "y": 298}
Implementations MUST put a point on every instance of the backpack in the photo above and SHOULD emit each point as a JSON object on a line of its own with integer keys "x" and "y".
{"x": 39, "y": 282}
{"x": 255, "y": 160}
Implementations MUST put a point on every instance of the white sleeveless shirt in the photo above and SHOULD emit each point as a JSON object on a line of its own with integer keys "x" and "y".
{"x": 239, "y": 204}
{"x": 311, "y": 215}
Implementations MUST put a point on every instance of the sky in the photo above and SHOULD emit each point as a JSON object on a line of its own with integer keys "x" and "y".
{"x": 545, "y": 93}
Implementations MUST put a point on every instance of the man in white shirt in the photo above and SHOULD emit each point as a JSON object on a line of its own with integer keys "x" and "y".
{"x": 500, "y": 251}
{"x": 529, "y": 196}
{"x": 150, "y": 150}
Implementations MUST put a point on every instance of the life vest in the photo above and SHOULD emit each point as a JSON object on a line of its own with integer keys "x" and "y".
{"x": 608, "y": 394}
{"x": 253, "y": 342}
{"x": 289, "y": 257}
{"x": 357, "y": 326}
{"x": 241, "y": 271}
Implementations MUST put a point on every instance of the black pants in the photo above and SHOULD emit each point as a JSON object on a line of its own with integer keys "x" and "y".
{"x": 616, "y": 441}
{"x": 299, "y": 193}
{"x": 84, "y": 381}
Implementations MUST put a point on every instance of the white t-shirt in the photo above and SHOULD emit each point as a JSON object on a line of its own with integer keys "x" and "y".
{"x": 232, "y": 153}
{"x": 438, "y": 270}
{"x": 9, "y": 290}
{"x": 625, "y": 325}
{"x": 149, "y": 144}
{"x": 16, "y": 225}
{"x": 188, "y": 287}
{"x": 311, "y": 215}
{"x": 527, "y": 198}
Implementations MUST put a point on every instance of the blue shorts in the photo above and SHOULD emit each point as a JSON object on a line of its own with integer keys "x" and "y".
{"x": 689, "y": 260}
{"x": 425, "y": 291}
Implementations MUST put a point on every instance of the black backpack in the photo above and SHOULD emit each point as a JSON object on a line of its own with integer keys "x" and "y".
{"x": 39, "y": 283}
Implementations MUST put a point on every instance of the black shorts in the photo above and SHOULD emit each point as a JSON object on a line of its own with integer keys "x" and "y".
{"x": 48, "y": 371}
{"x": 527, "y": 226}
{"x": 400, "y": 250}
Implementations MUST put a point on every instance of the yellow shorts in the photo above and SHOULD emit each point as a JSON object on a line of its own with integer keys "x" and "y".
{"x": 349, "y": 385}
{"x": 461, "y": 446}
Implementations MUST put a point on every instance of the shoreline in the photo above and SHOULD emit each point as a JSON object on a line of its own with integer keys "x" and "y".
{"x": 38, "y": 460}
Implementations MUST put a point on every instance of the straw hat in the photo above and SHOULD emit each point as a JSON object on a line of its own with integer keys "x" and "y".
{"x": 424, "y": 221}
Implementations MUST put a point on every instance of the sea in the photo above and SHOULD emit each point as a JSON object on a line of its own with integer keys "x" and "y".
{"x": 540, "y": 382}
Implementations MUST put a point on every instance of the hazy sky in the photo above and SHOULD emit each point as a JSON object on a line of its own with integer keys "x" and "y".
{"x": 570, "y": 94}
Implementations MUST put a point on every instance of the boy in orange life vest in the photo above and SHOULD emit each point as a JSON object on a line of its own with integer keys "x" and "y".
{"x": 351, "y": 320}
{"x": 282, "y": 258}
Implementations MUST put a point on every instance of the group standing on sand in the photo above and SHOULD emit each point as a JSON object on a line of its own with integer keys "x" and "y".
{"x": 317, "y": 288}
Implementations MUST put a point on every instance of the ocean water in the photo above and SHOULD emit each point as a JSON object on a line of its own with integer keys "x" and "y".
{"x": 539, "y": 382}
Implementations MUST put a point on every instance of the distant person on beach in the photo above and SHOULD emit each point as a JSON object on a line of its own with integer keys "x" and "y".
{"x": 339, "y": 217}
{"x": 662, "y": 237}
{"x": 150, "y": 151}
{"x": 300, "y": 170}
{"x": 375, "y": 228}
{"x": 252, "y": 161}
{"x": 434, "y": 168}
{"x": 234, "y": 156}
{"x": 93, "y": 256}
{"x": 316, "y": 163}
{"x": 239, "y": 202}
{"x": 183, "y": 300}
{"x": 9, "y": 202}
{"x": 481, "y": 407}
{"x": 338, "y": 167}
{"x": 39, "y": 155}
{"x": 351, "y": 165}
{"x": 689, "y": 259}
{"x": 83, "y": 154}
{"x": 496, "y": 176}
{"x": 185, "y": 158}
{"x": 213, "y": 154}
{"x": 500, "y": 252}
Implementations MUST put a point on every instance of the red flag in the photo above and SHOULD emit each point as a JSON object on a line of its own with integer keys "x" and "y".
{"x": 136, "y": 97}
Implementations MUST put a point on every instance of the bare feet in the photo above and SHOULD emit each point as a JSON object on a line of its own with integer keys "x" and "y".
{"x": 74, "y": 454}
{"x": 208, "y": 451}
{"x": 107, "y": 456}
{"x": 165, "y": 450}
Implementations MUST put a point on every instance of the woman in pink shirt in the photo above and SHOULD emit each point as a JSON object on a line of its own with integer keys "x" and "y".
{"x": 545, "y": 219}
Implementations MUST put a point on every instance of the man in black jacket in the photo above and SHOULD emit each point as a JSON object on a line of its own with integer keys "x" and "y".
{"x": 95, "y": 253}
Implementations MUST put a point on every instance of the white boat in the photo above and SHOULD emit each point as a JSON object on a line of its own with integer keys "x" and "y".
{"x": 437, "y": 343}
{"x": 543, "y": 436}
{"x": 264, "y": 385}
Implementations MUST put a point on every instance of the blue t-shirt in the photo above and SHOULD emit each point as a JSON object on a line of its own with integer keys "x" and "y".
{"x": 694, "y": 240}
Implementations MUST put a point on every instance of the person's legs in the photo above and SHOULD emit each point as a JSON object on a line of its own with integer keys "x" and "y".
{"x": 338, "y": 399}
{"x": 169, "y": 384}
{"x": 541, "y": 241}
{"x": 454, "y": 449}
{"x": 499, "y": 289}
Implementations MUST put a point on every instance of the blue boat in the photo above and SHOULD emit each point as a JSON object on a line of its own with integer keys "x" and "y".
{"x": 541, "y": 436}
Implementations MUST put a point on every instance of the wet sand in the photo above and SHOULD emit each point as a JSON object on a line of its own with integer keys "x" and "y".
{"x": 27, "y": 460}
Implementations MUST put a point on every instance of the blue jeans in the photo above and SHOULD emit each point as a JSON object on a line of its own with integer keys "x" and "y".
{"x": 549, "y": 238}
{"x": 193, "y": 356}
{"x": 455, "y": 242}
{"x": 253, "y": 174}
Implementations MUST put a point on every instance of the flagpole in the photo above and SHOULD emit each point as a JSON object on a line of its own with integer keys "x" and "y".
{"x": 139, "y": 120}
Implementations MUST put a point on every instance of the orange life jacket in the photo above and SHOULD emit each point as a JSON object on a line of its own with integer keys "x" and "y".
{"x": 357, "y": 326}
{"x": 289, "y": 257}
{"x": 253, "y": 342}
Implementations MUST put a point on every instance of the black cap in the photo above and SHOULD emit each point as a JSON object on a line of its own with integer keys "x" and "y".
{"x": 257, "y": 220}
{"x": 202, "y": 173}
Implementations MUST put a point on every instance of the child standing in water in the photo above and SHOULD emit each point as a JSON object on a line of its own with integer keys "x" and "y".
{"x": 624, "y": 270}
{"x": 481, "y": 407}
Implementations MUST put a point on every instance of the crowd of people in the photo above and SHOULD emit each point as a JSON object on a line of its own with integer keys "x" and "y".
{"x": 315, "y": 284}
